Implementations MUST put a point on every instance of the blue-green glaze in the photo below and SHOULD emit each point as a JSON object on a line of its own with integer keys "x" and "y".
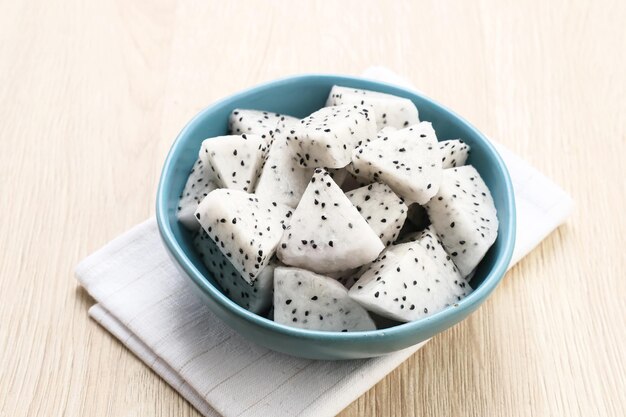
{"x": 299, "y": 96}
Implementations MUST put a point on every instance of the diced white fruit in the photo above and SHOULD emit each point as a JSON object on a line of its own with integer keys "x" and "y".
{"x": 282, "y": 178}
{"x": 405, "y": 286}
{"x": 454, "y": 153}
{"x": 428, "y": 240}
{"x": 327, "y": 137}
{"x": 235, "y": 161}
{"x": 464, "y": 216}
{"x": 307, "y": 300}
{"x": 389, "y": 110}
{"x": 246, "y": 228}
{"x": 256, "y": 297}
{"x": 407, "y": 160}
{"x": 326, "y": 232}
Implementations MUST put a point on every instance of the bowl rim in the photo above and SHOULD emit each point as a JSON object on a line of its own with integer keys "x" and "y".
{"x": 426, "y": 324}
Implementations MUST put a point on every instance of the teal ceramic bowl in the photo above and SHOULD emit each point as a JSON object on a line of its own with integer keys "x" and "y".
{"x": 300, "y": 96}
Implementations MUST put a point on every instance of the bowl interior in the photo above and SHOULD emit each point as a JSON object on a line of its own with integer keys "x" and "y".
{"x": 300, "y": 96}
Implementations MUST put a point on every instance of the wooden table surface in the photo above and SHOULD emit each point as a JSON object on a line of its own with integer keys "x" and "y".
{"x": 93, "y": 93}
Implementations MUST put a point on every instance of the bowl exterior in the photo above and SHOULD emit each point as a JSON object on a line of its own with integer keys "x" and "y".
{"x": 299, "y": 96}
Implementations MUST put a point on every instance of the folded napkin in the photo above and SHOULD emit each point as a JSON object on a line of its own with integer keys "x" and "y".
{"x": 144, "y": 302}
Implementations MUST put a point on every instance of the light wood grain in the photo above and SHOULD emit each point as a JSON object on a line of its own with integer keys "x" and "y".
{"x": 93, "y": 93}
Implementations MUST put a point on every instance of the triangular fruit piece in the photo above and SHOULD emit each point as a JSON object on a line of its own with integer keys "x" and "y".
{"x": 326, "y": 232}
{"x": 407, "y": 160}
{"x": 282, "y": 178}
{"x": 383, "y": 210}
{"x": 245, "y": 228}
{"x": 310, "y": 301}
{"x": 464, "y": 216}
{"x": 405, "y": 286}
{"x": 428, "y": 240}
{"x": 235, "y": 161}
{"x": 454, "y": 153}
{"x": 256, "y": 297}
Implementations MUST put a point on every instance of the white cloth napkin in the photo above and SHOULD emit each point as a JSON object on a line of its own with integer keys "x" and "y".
{"x": 143, "y": 301}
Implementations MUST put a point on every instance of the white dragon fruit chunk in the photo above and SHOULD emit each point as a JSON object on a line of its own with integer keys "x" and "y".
{"x": 326, "y": 232}
{"x": 256, "y": 297}
{"x": 310, "y": 301}
{"x": 351, "y": 276}
{"x": 383, "y": 210}
{"x": 407, "y": 160}
{"x": 256, "y": 122}
{"x": 199, "y": 184}
{"x": 327, "y": 137}
{"x": 235, "y": 161}
{"x": 464, "y": 216}
{"x": 282, "y": 178}
{"x": 390, "y": 110}
{"x": 428, "y": 240}
{"x": 245, "y": 227}
{"x": 454, "y": 153}
{"x": 405, "y": 286}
